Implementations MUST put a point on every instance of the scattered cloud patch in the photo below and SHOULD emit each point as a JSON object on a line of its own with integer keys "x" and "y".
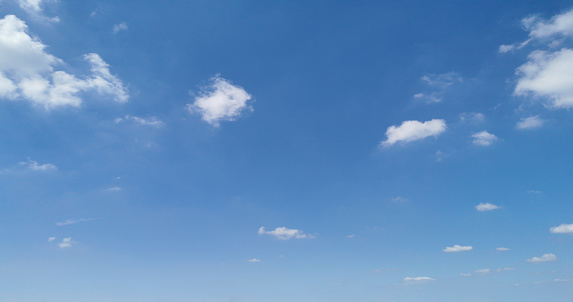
{"x": 36, "y": 8}
{"x": 457, "y": 248}
{"x": 483, "y": 138}
{"x": 472, "y": 117}
{"x": 505, "y": 269}
{"x": 418, "y": 280}
{"x": 254, "y": 260}
{"x": 284, "y": 233}
{"x": 487, "y": 207}
{"x": 483, "y": 271}
{"x": 72, "y": 221}
{"x": 562, "y": 229}
{"x": 437, "y": 85}
{"x": 27, "y": 72}
{"x": 50, "y": 239}
{"x": 531, "y": 122}
{"x": 534, "y": 191}
{"x": 151, "y": 121}
{"x": 34, "y": 166}
{"x": 399, "y": 199}
{"x": 502, "y": 249}
{"x": 66, "y": 242}
{"x": 544, "y": 258}
{"x": 410, "y": 131}
{"x": 221, "y": 101}
{"x": 113, "y": 189}
{"x": 350, "y": 236}
{"x": 119, "y": 27}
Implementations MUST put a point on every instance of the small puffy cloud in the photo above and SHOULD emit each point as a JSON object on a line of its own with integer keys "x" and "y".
{"x": 284, "y": 233}
{"x": 562, "y": 229}
{"x": 35, "y": 166}
{"x": 457, "y": 248}
{"x": 410, "y": 131}
{"x": 254, "y": 260}
{"x": 544, "y": 258}
{"x": 531, "y": 122}
{"x": 502, "y": 249}
{"x": 66, "y": 242}
{"x": 119, "y": 27}
{"x": 222, "y": 101}
{"x": 151, "y": 121}
{"x": 50, "y": 239}
{"x": 487, "y": 207}
{"x": 483, "y": 138}
{"x": 418, "y": 280}
{"x": 473, "y": 117}
{"x": 547, "y": 75}
{"x": 27, "y": 72}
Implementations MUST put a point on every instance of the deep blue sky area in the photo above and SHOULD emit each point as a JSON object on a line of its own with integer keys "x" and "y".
{"x": 269, "y": 151}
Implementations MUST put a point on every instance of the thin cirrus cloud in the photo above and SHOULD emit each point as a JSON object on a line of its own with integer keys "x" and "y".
{"x": 284, "y": 233}
{"x": 119, "y": 27}
{"x": 221, "y": 101}
{"x": 457, "y": 248}
{"x": 418, "y": 280}
{"x": 254, "y": 260}
{"x": 547, "y": 74}
{"x": 502, "y": 249}
{"x": 73, "y": 221}
{"x": 27, "y": 72}
{"x": 150, "y": 121}
{"x": 562, "y": 229}
{"x": 543, "y": 258}
{"x": 482, "y": 207}
{"x": 437, "y": 86}
{"x": 483, "y": 138}
{"x": 410, "y": 131}
{"x": 35, "y": 166}
{"x": 531, "y": 122}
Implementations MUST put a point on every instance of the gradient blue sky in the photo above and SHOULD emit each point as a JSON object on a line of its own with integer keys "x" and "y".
{"x": 240, "y": 151}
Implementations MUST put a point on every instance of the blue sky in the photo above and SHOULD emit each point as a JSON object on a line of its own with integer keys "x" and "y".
{"x": 286, "y": 151}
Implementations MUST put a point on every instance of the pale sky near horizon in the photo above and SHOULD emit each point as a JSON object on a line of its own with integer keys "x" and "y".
{"x": 250, "y": 151}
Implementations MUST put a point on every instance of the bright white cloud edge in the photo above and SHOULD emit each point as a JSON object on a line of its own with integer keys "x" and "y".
{"x": 410, "y": 131}
{"x": 457, "y": 248}
{"x": 284, "y": 233}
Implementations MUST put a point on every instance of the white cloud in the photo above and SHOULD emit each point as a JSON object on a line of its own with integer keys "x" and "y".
{"x": 562, "y": 280}
{"x": 416, "y": 280}
{"x": 505, "y": 269}
{"x": 483, "y": 271}
{"x": 283, "y": 233}
{"x": 529, "y": 123}
{"x": 119, "y": 27}
{"x": 410, "y": 131}
{"x": 562, "y": 229}
{"x": 27, "y": 71}
{"x": 50, "y": 239}
{"x": 222, "y": 101}
{"x": 484, "y": 138}
{"x": 457, "y": 248}
{"x": 465, "y": 274}
{"x": 66, "y": 242}
{"x": 399, "y": 199}
{"x": 72, "y": 221}
{"x": 473, "y": 117}
{"x": 350, "y": 236}
{"x": 487, "y": 207}
{"x": 113, "y": 189}
{"x": 254, "y": 260}
{"x": 544, "y": 258}
{"x": 548, "y": 75}
{"x": 35, "y": 8}
{"x": 34, "y": 166}
{"x": 559, "y": 25}
{"x": 437, "y": 85}
{"x": 502, "y": 249}
{"x": 151, "y": 121}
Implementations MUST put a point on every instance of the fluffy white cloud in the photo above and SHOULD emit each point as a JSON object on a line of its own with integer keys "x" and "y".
{"x": 487, "y": 207}
{"x": 529, "y": 123}
{"x": 411, "y": 280}
{"x": 502, "y": 249}
{"x": 222, "y": 101}
{"x": 484, "y": 138}
{"x": 457, "y": 248}
{"x": 254, "y": 260}
{"x": 410, "y": 131}
{"x": 151, "y": 121}
{"x": 119, "y": 27}
{"x": 35, "y": 8}
{"x": 562, "y": 229}
{"x": 544, "y": 258}
{"x": 34, "y": 166}
{"x": 558, "y": 25}
{"x": 66, "y": 242}
{"x": 27, "y": 71}
{"x": 548, "y": 75}
{"x": 284, "y": 233}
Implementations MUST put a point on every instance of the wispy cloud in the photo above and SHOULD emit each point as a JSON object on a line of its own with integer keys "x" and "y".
{"x": 284, "y": 233}
{"x": 66, "y": 243}
{"x": 483, "y": 138}
{"x": 36, "y": 9}
{"x": 418, "y": 280}
{"x": 544, "y": 258}
{"x": 502, "y": 249}
{"x": 221, "y": 101}
{"x": 487, "y": 207}
{"x": 34, "y": 166}
{"x": 150, "y": 121}
{"x": 50, "y": 239}
{"x": 457, "y": 248}
{"x": 531, "y": 122}
{"x": 73, "y": 221}
{"x": 437, "y": 85}
{"x": 254, "y": 260}
{"x": 119, "y": 27}
{"x": 410, "y": 131}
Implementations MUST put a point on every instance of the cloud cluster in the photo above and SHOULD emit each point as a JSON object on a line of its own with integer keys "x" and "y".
{"x": 221, "y": 101}
{"x": 457, "y": 248}
{"x": 27, "y": 72}
{"x": 410, "y": 131}
{"x": 284, "y": 233}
